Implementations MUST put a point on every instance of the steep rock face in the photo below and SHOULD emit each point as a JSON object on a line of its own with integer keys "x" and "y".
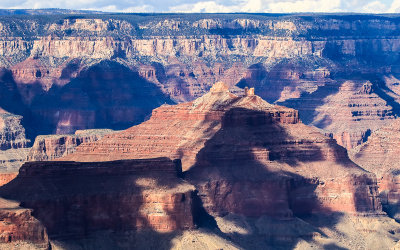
{"x": 105, "y": 95}
{"x": 18, "y": 226}
{"x": 380, "y": 155}
{"x": 12, "y": 133}
{"x": 346, "y": 111}
{"x": 81, "y": 198}
{"x": 50, "y": 147}
{"x": 228, "y": 144}
{"x": 285, "y": 57}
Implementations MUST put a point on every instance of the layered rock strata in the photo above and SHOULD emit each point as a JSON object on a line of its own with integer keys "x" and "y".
{"x": 57, "y": 60}
{"x": 347, "y": 112}
{"x": 381, "y": 155}
{"x": 74, "y": 199}
{"x": 228, "y": 144}
{"x": 50, "y": 147}
{"x": 12, "y": 133}
{"x": 19, "y": 226}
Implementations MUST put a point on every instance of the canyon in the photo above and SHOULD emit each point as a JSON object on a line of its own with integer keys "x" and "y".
{"x": 307, "y": 62}
{"x": 199, "y": 131}
{"x": 251, "y": 164}
{"x": 379, "y": 155}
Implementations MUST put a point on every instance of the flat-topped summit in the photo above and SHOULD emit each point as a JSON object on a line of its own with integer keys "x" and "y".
{"x": 229, "y": 143}
{"x": 173, "y": 129}
{"x": 219, "y": 87}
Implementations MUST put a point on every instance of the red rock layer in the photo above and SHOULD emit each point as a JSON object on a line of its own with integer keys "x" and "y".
{"x": 381, "y": 155}
{"x": 51, "y": 147}
{"x": 246, "y": 156}
{"x": 74, "y": 199}
{"x": 347, "y": 111}
{"x": 18, "y": 225}
{"x": 7, "y": 177}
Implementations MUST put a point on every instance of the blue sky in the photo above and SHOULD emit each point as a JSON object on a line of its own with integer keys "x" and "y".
{"x": 265, "y": 6}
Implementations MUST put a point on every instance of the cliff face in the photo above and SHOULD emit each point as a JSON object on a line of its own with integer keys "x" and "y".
{"x": 229, "y": 143}
{"x": 19, "y": 226}
{"x": 12, "y": 133}
{"x": 380, "y": 155}
{"x": 120, "y": 196}
{"x": 254, "y": 177}
{"x": 155, "y": 59}
{"x": 50, "y": 147}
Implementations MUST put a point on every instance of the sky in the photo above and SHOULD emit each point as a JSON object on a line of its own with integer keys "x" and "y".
{"x": 201, "y": 6}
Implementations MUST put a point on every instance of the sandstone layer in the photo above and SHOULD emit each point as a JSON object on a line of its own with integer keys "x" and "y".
{"x": 228, "y": 144}
{"x": 381, "y": 155}
{"x": 59, "y": 60}
{"x": 73, "y": 199}
{"x": 50, "y": 147}
{"x": 19, "y": 226}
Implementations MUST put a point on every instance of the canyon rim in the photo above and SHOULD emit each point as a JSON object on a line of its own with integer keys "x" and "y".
{"x": 199, "y": 131}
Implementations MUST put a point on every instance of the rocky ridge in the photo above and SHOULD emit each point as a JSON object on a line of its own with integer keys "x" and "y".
{"x": 141, "y": 194}
{"x": 253, "y": 176}
{"x": 12, "y": 133}
{"x": 50, "y": 147}
{"x": 219, "y": 132}
{"x": 380, "y": 155}
{"x": 287, "y": 58}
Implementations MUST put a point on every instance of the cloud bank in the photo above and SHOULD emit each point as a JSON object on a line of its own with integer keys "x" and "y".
{"x": 213, "y": 6}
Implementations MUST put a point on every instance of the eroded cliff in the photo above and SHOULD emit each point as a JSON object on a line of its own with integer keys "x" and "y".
{"x": 294, "y": 58}
{"x": 80, "y": 198}
{"x": 254, "y": 177}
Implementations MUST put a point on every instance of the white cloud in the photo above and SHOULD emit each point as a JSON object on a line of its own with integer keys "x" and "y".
{"x": 374, "y": 7}
{"x": 213, "y": 6}
{"x": 133, "y": 9}
{"x": 204, "y": 7}
{"x": 252, "y": 6}
{"x": 394, "y": 7}
{"x": 305, "y": 6}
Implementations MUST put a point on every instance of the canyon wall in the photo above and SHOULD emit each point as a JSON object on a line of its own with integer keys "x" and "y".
{"x": 121, "y": 195}
{"x": 380, "y": 155}
{"x": 229, "y": 143}
{"x": 323, "y": 61}
{"x": 247, "y": 174}
{"x": 50, "y": 147}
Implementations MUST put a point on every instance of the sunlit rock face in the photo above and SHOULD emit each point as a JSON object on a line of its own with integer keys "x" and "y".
{"x": 380, "y": 155}
{"x": 297, "y": 61}
{"x": 50, "y": 147}
{"x": 254, "y": 176}
{"x": 228, "y": 144}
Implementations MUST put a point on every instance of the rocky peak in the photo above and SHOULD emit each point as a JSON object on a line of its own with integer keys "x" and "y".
{"x": 367, "y": 88}
{"x": 219, "y": 87}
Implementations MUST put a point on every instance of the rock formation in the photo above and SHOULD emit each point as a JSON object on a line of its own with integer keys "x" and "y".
{"x": 74, "y": 199}
{"x": 50, "y": 147}
{"x": 12, "y": 133}
{"x": 289, "y": 167}
{"x": 381, "y": 155}
{"x": 347, "y": 111}
{"x": 287, "y": 58}
{"x": 20, "y": 229}
{"x": 254, "y": 177}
